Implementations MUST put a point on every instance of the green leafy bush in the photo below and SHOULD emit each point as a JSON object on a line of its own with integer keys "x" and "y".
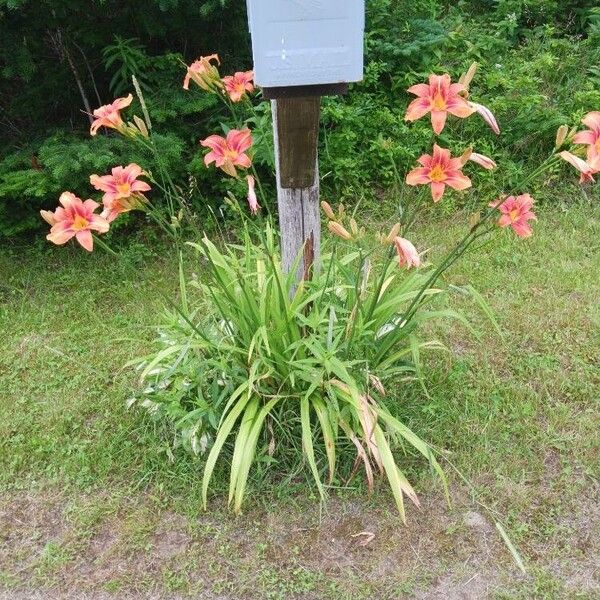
{"x": 260, "y": 348}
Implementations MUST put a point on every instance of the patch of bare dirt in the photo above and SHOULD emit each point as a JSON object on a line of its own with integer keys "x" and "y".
{"x": 441, "y": 554}
{"x": 582, "y": 528}
{"x": 27, "y": 525}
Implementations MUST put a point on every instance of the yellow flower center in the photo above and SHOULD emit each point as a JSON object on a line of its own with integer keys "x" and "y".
{"x": 598, "y": 144}
{"x": 438, "y": 102}
{"x": 231, "y": 154}
{"x": 437, "y": 174}
{"x": 124, "y": 189}
{"x": 80, "y": 223}
{"x": 514, "y": 215}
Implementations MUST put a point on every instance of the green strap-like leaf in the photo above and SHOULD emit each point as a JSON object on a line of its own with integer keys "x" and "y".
{"x": 249, "y": 452}
{"x": 307, "y": 443}
{"x": 391, "y": 469}
{"x": 418, "y": 444}
{"x": 241, "y": 440}
{"x": 222, "y": 433}
{"x": 328, "y": 435}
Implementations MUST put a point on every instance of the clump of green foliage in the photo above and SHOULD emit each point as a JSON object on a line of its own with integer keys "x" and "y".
{"x": 306, "y": 361}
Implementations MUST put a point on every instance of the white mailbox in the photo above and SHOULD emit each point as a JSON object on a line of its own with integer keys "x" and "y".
{"x": 306, "y": 42}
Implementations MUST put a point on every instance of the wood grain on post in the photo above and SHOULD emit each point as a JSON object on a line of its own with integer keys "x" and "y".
{"x": 296, "y": 130}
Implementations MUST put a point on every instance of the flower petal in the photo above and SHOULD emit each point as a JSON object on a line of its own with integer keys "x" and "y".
{"x": 60, "y": 234}
{"x": 585, "y": 137}
{"x": 460, "y": 108}
{"x": 417, "y": 108}
{"x": 98, "y": 223}
{"x": 140, "y": 186}
{"x": 438, "y": 120}
{"x": 584, "y": 168}
{"x": 85, "y": 238}
{"x": 592, "y": 120}
{"x": 420, "y": 89}
{"x": 243, "y": 160}
{"x": 48, "y": 216}
{"x": 238, "y": 140}
{"x": 418, "y": 176}
{"x": 121, "y": 103}
{"x": 90, "y": 205}
{"x": 522, "y": 229}
{"x": 437, "y": 190}
{"x": 68, "y": 199}
{"x": 214, "y": 142}
{"x": 457, "y": 181}
{"x": 210, "y": 157}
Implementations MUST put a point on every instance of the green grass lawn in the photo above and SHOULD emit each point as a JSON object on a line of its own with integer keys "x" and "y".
{"x": 93, "y": 500}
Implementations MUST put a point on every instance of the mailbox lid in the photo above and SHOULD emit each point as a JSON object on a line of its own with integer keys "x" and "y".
{"x": 306, "y": 42}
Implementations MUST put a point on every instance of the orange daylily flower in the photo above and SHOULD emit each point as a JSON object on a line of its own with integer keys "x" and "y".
{"x": 203, "y": 73}
{"x": 407, "y": 253}
{"x": 516, "y": 213}
{"x": 123, "y": 191}
{"x": 238, "y": 84}
{"x": 75, "y": 218}
{"x": 439, "y": 170}
{"x": 439, "y": 97}
{"x": 229, "y": 152}
{"x": 109, "y": 115}
{"x": 591, "y": 136}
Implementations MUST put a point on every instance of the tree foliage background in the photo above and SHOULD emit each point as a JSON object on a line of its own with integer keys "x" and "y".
{"x": 539, "y": 67}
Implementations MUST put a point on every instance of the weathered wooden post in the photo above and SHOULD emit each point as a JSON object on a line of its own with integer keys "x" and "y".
{"x": 303, "y": 49}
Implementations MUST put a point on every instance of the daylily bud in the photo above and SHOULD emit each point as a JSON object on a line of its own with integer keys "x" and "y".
{"x": 341, "y": 210}
{"x": 130, "y": 131}
{"x": 483, "y": 161}
{"x": 328, "y": 210}
{"x": 572, "y": 132}
{"x": 353, "y": 226}
{"x": 252, "y": 199}
{"x": 48, "y": 216}
{"x": 339, "y": 230}
{"x": 561, "y": 136}
{"x": 467, "y": 77}
{"x": 141, "y": 126}
{"x": 465, "y": 156}
{"x": 392, "y": 234}
{"x": 487, "y": 115}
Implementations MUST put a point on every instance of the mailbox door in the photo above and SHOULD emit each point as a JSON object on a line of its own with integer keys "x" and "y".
{"x": 306, "y": 42}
